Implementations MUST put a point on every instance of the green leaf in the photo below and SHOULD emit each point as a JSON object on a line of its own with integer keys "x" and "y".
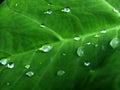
{"x": 60, "y": 45}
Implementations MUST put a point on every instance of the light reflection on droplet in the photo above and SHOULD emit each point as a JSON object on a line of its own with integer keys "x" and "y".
{"x": 60, "y": 72}
{"x": 10, "y": 65}
{"x": 66, "y": 9}
{"x": 27, "y": 66}
{"x": 115, "y": 42}
{"x": 45, "y": 48}
{"x": 4, "y": 61}
{"x": 80, "y": 51}
{"x": 29, "y": 74}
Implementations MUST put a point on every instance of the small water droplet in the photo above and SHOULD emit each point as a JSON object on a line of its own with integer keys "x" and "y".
{"x": 116, "y": 10}
{"x": 40, "y": 62}
{"x": 27, "y": 66}
{"x": 66, "y": 9}
{"x": 7, "y": 83}
{"x": 29, "y": 74}
{"x": 16, "y": 4}
{"x": 4, "y": 61}
{"x": 10, "y": 65}
{"x": 87, "y": 64}
{"x": 103, "y": 47}
{"x": 76, "y": 38}
{"x": 64, "y": 54}
{"x": 103, "y": 31}
{"x": 48, "y": 12}
{"x": 42, "y": 25}
{"x": 96, "y": 45}
{"x": 96, "y": 36}
{"x": 80, "y": 51}
{"x": 88, "y": 43}
{"x": 60, "y": 72}
{"x": 45, "y": 48}
{"x": 115, "y": 42}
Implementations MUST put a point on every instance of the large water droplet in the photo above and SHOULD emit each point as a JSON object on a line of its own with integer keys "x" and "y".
{"x": 87, "y": 64}
{"x": 60, "y": 72}
{"x": 27, "y": 66}
{"x": 80, "y": 51}
{"x": 115, "y": 42}
{"x": 48, "y": 12}
{"x": 4, "y": 61}
{"x": 10, "y": 65}
{"x": 103, "y": 31}
{"x": 66, "y": 9}
{"x": 45, "y": 48}
{"x": 76, "y": 38}
{"x": 116, "y": 10}
{"x": 29, "y": 74}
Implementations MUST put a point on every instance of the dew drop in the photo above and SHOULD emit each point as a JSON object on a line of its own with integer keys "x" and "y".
{"x": 16, "y": 4}
{"x": 96, "y": 45}
{"x": 29, "y": 74}
{"x": 103, "y": 31}
{"x": 45, "y": 48}
{"x": 114, "y": 43}
{"x": 27, "y": 66}
{"x": 7, "y": 83}
{"x": 48, "y": 12}
{"x": 60, "y": 72}
{"x": 64, "y": 54}
{"x": 76, "y": 38}
{"x": 96, "y": 36}
{"x": 10, "y": 65}
{"x": 42, "y": 25}
{"x": 88, "y": 43}
{"x": 4, "y": 61}
{"x": 80, "y": 51}
{"x": 87, "y": 64}
{"x": 66, "y": 9}
{"x": 116, "y": 10}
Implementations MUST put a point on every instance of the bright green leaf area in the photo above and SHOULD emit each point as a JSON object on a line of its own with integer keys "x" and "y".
{"x": 60, "y": 45}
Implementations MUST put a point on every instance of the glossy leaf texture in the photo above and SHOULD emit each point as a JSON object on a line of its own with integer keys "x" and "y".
{"x": 60, "y": 45}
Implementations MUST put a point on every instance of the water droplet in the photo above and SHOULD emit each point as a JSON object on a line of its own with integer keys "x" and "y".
{"x": 16, "y": 4}
{"x": 116, "y": 10}
{"x": 10, "y": 65}
{"x": 29, "y": 74}
{"x": 4, "y": 61}
{"x": 115, "y": 42}
{"x": 66, "y": 9}
{"x": 103, "y": 31}
{"x": 76, "y": 38}
{"x": 40, "y": 62}
{"x": 88, "y": 43}
{"x": 7, "y": 83}
{"x": 80, "y": 51}
{"x": 64, "y": 54}
{"x": 96, "y": 36}
{"x": 96, "y": 45}
{"x": 48, "y": 12}
{"x": 87, "y": 64}
{"x": 60, "y": 72}
{"x": 42, "y": 25}
{"x": 27, "y": 66}
{"x": 45, "y": 48}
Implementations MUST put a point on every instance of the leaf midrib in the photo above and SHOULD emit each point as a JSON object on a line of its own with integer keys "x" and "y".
{"x": 61, "y": 39}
